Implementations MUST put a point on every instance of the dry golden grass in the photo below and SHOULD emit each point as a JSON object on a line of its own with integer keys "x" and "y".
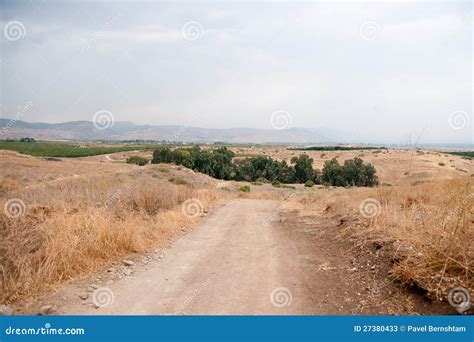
{"x": 76, "y": 225}
{"x": 84, "y": 213}
{"x": 428, "y": 228}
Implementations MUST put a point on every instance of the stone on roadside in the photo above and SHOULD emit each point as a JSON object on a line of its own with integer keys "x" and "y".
{"x": 45, "y": 310}
{"x": 5, "y": 310}
{"x": 128, "y": 263}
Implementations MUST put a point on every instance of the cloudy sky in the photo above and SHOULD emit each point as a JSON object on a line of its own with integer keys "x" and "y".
{"x": 379, "y": 71}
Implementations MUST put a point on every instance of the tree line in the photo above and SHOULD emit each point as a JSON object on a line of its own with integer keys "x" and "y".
{"x": 220, "y": 163}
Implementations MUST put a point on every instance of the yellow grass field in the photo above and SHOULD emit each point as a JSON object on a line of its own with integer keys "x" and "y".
{"x": 78, "y": 215}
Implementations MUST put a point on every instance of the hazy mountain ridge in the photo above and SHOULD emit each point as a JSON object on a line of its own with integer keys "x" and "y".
{"x": 85, "y": 130}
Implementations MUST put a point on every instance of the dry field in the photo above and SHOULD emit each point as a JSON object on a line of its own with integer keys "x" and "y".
{"x": 425, "y": 231}
{"x": 77, "y": 215}
{"x": 80, "y": 215}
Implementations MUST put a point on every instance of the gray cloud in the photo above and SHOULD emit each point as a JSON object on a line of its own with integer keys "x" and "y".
{"x": 310, "y": 59}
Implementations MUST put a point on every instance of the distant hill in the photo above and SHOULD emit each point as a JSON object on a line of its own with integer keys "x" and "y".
{"x": 85, "y": 130}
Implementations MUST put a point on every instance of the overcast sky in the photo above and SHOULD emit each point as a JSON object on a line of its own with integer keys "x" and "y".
{"x": 386, "y": 71}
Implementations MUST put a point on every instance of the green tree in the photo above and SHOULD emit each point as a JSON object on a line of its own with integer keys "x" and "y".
{"x": 162, "y": 155}
{"x": 244, "y": 170}
{"x": 333, "y": 173}
{"x": 203, "y": 162}
{"x": 303, "y": 166}
{"x": 359, "y": 174}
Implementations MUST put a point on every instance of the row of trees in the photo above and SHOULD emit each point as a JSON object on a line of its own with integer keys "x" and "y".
{"x": 219, "y": 164}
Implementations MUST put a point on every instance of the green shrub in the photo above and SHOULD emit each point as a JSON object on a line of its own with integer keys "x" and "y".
{"x": 27, "y": 139}
{"x": 137, "y": 160}
{"x": 276, "y": 183}
{"x": 309, "y": 184}
{"x": 244, "y": 188}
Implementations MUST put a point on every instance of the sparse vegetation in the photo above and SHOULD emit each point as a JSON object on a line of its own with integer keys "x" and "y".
{"x": 137, "y": 160}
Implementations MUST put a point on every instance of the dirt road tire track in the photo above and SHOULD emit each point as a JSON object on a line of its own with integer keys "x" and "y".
{"x": 230, "y": 264}
{"x": 252, "y": 258}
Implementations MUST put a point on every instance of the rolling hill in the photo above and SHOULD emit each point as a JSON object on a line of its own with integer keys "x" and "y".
{"x": 85, "y": 130}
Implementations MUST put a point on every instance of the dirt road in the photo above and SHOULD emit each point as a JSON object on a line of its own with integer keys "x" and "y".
{"x": 231, "y": 264}
{"x": 251, "y": 257}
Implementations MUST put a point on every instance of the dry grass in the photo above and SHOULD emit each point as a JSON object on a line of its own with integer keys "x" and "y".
{"x": 83, "y": 214}
{"x": 76, "y": 225}
{"x": 428, "y": 229}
